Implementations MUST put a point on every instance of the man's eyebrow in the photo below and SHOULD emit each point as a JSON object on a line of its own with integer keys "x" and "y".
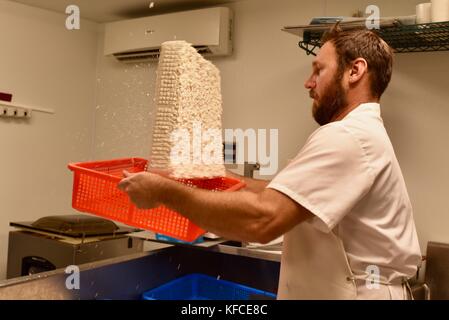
{"x": 315, "y": 63}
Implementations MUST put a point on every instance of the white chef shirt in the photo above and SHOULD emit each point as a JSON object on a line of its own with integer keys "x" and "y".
{"x": 348, "y": 176}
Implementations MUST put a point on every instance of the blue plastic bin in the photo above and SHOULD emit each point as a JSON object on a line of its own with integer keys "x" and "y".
{"x": 201, "y": 287}
{"x": 174, "y": 240}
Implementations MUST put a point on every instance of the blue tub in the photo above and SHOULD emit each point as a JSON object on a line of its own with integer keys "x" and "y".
{"x": 201, "y": 287}
{"x": 163, "y": 237}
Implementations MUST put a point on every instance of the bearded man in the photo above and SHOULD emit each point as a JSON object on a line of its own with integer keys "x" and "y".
{"x": 341, "y": 204}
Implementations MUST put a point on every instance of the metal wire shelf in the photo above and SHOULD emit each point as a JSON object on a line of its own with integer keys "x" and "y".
{"x": 402, "y": 38}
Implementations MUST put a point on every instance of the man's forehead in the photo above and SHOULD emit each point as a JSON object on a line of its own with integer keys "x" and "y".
{"x": 326, "y": 52}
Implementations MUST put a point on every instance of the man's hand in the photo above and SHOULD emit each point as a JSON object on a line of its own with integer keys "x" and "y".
{"x": 142, "y": 188}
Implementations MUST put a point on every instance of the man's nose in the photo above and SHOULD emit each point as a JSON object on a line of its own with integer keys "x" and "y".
{"x": 310, "y": 84}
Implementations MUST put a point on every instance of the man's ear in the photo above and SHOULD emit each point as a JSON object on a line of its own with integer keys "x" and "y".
{"x": 358, "y": 69}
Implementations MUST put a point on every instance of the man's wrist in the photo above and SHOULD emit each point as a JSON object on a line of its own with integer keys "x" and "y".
{"x": 165, "y": 189}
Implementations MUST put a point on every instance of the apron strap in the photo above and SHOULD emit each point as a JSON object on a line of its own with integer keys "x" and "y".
{"x": 407, "y": 290}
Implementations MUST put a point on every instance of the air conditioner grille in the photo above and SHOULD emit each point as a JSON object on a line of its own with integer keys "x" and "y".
{"x": 152, "y": 54}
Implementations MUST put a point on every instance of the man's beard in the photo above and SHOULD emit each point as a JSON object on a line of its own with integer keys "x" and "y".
{"x": 331, "y": 103}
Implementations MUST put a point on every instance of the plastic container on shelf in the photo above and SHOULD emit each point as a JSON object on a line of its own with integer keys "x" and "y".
{"x": 95, "y": 191}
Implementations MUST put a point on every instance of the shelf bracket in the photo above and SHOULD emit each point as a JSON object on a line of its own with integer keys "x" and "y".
{"x": 306, "y": 47}
{"x": 14, "y": 110}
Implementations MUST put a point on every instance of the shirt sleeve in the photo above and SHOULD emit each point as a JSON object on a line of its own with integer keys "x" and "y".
{"x": 328, "y": 177}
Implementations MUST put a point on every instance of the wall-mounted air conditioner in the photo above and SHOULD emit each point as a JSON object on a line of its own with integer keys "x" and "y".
{"x": 209, "y": 30}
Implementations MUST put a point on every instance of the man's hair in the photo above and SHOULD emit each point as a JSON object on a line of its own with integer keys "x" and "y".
{"x": 363, "y": 43}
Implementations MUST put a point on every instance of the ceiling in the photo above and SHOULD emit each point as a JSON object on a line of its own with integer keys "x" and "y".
{"x": 111, "y": 10}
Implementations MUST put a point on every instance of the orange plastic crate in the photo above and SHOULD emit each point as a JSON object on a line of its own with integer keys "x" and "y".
{"x": 95, "y": 191}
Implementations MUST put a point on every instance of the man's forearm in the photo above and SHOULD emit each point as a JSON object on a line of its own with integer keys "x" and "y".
{"x": 243, "y": 216}
{"x": 252, "y": 185}
{"x": 237, "y": 216}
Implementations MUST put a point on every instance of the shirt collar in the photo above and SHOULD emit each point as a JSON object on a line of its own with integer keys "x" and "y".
{"x": 371, "y": 106}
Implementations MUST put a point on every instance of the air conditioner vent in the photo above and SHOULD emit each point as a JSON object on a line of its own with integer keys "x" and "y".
{"x": 153, "y": 54}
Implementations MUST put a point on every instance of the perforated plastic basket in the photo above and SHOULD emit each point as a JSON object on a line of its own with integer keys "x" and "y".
{"x": 95, "y": 191}
{"x": 198, "y": 286}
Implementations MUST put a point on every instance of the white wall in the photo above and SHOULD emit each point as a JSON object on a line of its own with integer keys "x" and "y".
{"x": 124, "y": 109}
{"x": 416, "y": 113}
{"x": 263, "y": 81}
{"x": 43, "y": 64}
{"x": 262, "y": 86}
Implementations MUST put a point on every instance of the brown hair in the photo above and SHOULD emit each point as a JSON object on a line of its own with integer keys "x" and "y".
{"x": 363, "y": 43}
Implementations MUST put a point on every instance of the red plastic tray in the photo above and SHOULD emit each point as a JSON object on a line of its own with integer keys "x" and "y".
{"x": 95, "y": 191}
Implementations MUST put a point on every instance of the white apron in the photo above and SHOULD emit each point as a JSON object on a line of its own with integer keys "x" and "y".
{"x": 315, "y": 267}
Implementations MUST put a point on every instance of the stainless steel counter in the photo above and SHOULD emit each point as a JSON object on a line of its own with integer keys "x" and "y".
{"x": 128, "y": 277}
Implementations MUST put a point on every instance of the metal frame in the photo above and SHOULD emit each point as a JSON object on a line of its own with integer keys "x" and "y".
{"x": 402, "y": 38}
{"x": 127, "y": 277}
